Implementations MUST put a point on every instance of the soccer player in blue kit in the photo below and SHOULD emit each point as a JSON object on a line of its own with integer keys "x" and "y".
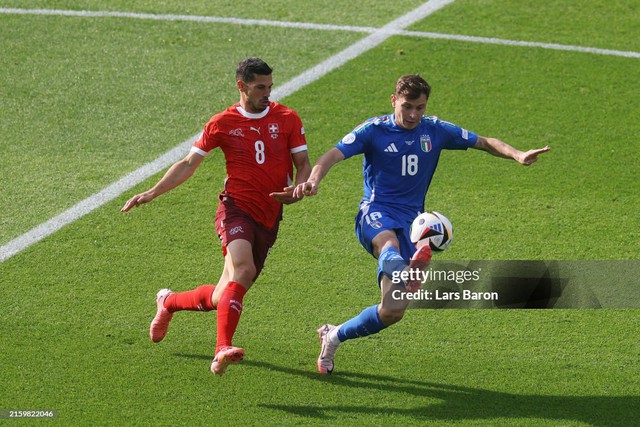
{"x": 401, "y": 152}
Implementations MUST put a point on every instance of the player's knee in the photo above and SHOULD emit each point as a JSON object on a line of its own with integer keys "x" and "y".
{"x": 389, "y": 316}
{"x": 244, "y": 273}
{"x": 384, "y": 240}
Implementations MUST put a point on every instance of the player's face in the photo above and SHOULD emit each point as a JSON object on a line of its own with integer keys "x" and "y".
{"x": 409, "y": 112}
{"x": 254, "y": 96}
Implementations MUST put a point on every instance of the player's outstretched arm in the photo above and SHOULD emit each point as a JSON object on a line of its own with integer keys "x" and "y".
{"x": 303, "y": 169}
{"x": 176, "y": 175}
{"x": 502, "y": 149}
{"x": 320, "y": 169}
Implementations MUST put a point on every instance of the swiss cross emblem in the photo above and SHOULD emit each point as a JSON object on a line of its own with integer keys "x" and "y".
{"x": 273, "y": 130}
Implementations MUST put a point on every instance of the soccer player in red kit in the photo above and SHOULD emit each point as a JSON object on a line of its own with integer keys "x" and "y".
{"x": 262, "y": 141}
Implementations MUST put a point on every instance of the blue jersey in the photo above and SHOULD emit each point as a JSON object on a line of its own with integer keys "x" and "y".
{"x": 399, "y": 163}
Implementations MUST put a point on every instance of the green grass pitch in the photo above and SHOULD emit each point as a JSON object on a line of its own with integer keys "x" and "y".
{"x": 84, "y": 101}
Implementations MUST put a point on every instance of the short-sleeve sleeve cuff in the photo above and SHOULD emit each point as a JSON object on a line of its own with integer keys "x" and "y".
{"x": 298, "y": 149}
{"x": 199, "y": 151}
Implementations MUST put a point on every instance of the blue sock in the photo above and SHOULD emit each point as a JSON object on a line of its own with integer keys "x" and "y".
{"x": 366, "y": 323}
{"x": 390, "y": 261}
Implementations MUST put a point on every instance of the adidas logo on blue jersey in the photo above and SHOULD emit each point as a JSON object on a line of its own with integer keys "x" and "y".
{"x": 391, "y": 148}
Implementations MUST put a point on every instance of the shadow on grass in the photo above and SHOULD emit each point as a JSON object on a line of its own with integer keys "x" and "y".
{"x": 461, "y": 403}
{"x": 456, "y": 403}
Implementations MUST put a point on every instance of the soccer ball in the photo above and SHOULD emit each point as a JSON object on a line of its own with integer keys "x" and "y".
{"x": 433, "y": 226}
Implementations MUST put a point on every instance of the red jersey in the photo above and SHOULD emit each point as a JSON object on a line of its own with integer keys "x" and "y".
{"x": 257, "y": 149}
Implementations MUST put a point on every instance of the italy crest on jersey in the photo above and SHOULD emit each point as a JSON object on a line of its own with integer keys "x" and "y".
{"x": 425, "y": 143}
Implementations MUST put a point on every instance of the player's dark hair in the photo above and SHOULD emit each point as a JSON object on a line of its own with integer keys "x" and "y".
{"x": 250, "y": 67}
{"x": 412, "y": 86}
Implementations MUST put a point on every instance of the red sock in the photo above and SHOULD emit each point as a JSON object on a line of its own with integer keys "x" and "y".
{"x": 198, "y": 299}
{"x": 229, "y": 310}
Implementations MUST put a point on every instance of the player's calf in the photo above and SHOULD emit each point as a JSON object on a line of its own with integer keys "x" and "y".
{"x": 390, "y": 316}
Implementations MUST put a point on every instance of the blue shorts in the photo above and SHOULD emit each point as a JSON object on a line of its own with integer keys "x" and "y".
{"x": 376, "y": 217}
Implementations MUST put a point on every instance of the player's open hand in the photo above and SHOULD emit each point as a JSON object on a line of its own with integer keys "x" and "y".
{"x": 137, "y": 200}
{"x": 531, "y": 156}
{"x": 286, "y": 196}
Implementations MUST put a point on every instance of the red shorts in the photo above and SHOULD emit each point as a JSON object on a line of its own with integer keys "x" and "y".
{"x": 233, "y": 223}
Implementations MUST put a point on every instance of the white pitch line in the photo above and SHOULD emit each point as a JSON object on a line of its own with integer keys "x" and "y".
{"x": 94, "y": 201}
{"x": 491, "y": 40}
{"x": 114, "y": 190}
{"x": 312, "y": 26}
{"x": 188, "y": 18}
{"x": 362, "y": 46}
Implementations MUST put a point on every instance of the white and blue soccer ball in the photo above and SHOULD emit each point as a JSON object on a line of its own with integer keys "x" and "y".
{"x": 433, "y": 226}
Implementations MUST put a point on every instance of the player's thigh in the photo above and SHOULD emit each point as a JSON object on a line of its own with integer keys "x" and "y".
{"x": 399, "y": 220}
{"x": 375, "y": 227}
{"x": 240, "y": 256}
{"x": 233, "y": 223}
{"x": 264, "y": 240}
{"x": 237, "y": 232}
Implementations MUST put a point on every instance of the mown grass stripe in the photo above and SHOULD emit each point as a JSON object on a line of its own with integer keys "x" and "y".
{"x": 114, "y": 190}
{"x": 326, "y": 27}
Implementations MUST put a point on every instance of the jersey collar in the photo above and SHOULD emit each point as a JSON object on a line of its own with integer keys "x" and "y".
{"x": 252, "y": 115}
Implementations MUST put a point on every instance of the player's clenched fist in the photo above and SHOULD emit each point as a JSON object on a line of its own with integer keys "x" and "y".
{"x": 308, "y": 188}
